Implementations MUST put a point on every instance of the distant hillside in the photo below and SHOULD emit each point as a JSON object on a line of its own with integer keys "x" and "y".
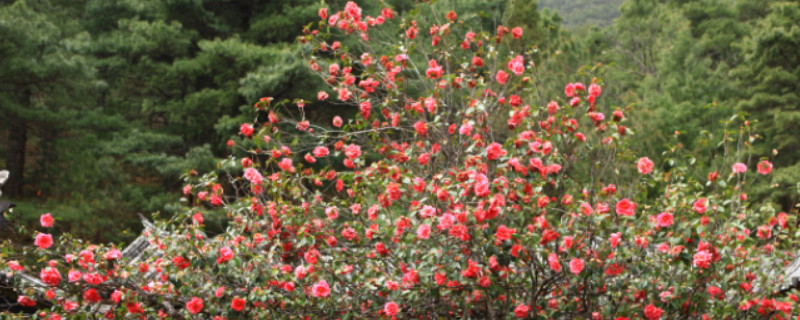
{"x": 577, "y": 13}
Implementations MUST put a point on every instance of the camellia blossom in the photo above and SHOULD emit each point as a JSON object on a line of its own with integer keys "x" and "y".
{"x": 495, "y": 151}
{"x": 246, "y": 129}
{"x": 46, "y": 220}
{"x": 739, "y": 167}
{"x": 521, "y": 311}
{"x": 391, "y": 308}
{"x": 238, "y": 304}
{"x": 652, "y": 312}
{"x": 253, "y": 176}
{"x": 700, "y": 205}
{"x": 424, "y": 231}
{"x": 552, "y": 260}
{"x": 321, "y": 289}
{"x": 352, "y": 151}
{"x": 501, "y": 77}
{"x": 516, "y": 32}
{"x": 576, "y": 265}
{"x": 764, "y": 167}
{"x": 195, "y": 305}
{"x": 50, "y": 276}
{"x": 645, "y": 165}
{"x": 43, "y": 240}
{"x": 664, "y": 219}
{"x": 626, "y": 207}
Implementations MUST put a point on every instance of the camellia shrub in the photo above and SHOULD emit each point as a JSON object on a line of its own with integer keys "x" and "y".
{"x": 450, "y": 192}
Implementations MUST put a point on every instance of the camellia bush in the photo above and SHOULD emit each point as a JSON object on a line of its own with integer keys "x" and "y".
{"x": 446, "y": 189}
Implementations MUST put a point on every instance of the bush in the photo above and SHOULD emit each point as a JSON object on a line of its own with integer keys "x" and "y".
{"x": 447, "y": 195}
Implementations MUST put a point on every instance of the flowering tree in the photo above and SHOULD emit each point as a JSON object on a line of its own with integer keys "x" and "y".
{"x": 450, "y": 193}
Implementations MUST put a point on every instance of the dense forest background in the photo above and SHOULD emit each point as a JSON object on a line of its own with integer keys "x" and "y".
{"x": 105, "y": 105}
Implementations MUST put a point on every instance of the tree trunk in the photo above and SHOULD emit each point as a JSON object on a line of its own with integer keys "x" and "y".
{"x": 15, "y": 155}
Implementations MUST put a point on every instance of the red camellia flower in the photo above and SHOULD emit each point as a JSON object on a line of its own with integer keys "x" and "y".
{"x": 764, "y": 167}
{"x": 391, "y": 308}
{"x": 43, "y": 240}
{"x": 50, "y": 276}
{"x": 626, "y": 207}
{"x": 645, "y": 165}
{"x": 516, "y": 32}
{"x": 504, "y": 233}
{"x": 195, "y": 305}
{"x": 495, "y": 151}
{"x": 134, "y": 307}
{"x": 238, "y": 304}
{"x": 576, "y": 265}
{"x": 46, "y": 220}
{"x": 522, "y": 311}
{"x": 501, "y": 77}
{"x": 652, "y": 312}
{"x": 15, "y": 266}
{"x": 246, "y": 129}
{"x": 321, "y": 289}
{"x": 25, "y": 301}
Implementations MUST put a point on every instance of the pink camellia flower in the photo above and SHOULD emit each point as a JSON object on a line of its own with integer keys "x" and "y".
{"x": 424, "y": 231}
{"x": 50, "y": 276}
{"x": 195, "y": 305}
{"x": 434, "y": 70}
{"x": 43, "y": 240}
{"x": 645, "y": 165}
{"x": 321, "y": 151}
{"x": 576, "y": 265}
{"x": 286, "y": 165}
{"x": 113, "y": 254}
{"x": 116, "y": 296}
{"x": 664, "y": 219}
{"x": 552, "y": 260}
{"x": 495, "y": 151}
{"x": 337, "y": 121}
{"x": 614, "y": 239}
{"x": 652, "y": 312}
{"x": 521, "y": 311}
{"x": 46, "y": 220}
{"x": 739, "y": 167}
{"x": 74, "y": 275}
{"x": 352, "y": 151}
{"x": 391, "y": 308}
{"x": 321, "y": 289}
{"x": 764, "y": 167}
{"x": 225, "y": 255}
{"x": 569, "y": 90}
{"x": 253, "y": 176}
{"x": 700, "y": 205}
{"x": 626, "y": 207}
{"x": 702, "y": 259}
{"x": 595, "y": 90}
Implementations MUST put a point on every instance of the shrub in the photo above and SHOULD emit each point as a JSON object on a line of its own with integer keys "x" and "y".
{"x": 447, "y": 195}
